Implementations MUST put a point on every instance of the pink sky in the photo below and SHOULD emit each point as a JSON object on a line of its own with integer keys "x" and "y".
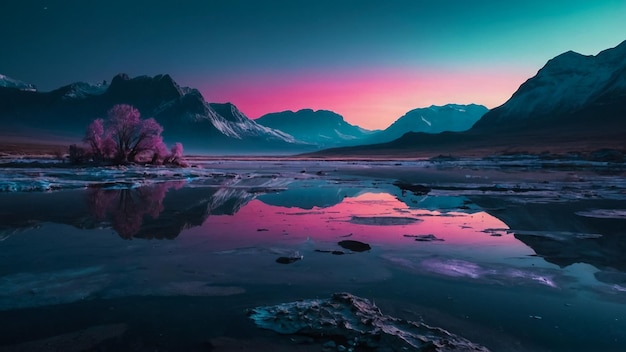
{"x": 370, "y": 99}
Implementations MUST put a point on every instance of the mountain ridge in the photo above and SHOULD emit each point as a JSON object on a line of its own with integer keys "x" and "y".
{"x": 432, "y": 119}
{"x": 566, "y": 107}
{"x": 566, "y": 84}
{"x": 182, "y": 111}
{"x": 323, "y": 128}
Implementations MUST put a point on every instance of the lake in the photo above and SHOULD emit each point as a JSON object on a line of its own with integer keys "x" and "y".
{"x": 514, "y": 254}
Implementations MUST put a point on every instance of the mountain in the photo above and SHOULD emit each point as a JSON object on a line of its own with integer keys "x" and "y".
{"x": 574, "y": 103}
{"x": 433, "y": 119}
{"x": 322, "y": 127}
{"x": 9, "y": 82}
{"x": 184, "y": 114}
{"x": 571, "y": 90}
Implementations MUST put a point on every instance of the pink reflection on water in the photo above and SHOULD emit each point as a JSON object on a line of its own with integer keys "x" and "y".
{"x": 126, "y": 208}
{"x": 383, "y": 221}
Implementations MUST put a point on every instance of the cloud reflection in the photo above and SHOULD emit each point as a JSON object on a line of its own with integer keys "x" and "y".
{"x": 485, "y": 273}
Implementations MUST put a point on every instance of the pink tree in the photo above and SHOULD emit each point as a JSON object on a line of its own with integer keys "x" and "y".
{"x": 177, "y": 150}
{"x": 94, "y": 136}
{"x": 176, "y": 156}
{"x": 125, "y": 137}
{"x": 102, "y": 144}
{"x": 132, "y": 135}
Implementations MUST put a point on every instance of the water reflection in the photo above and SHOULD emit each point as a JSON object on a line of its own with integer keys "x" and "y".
{"x": 127, "y": 208}
{"x": 376, "y": 218}
{"x": 320, "y": 213}
{"x": 163, "y": 210}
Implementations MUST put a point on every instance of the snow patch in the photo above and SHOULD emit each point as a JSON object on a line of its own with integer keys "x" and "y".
{"x": 9, "y": 82}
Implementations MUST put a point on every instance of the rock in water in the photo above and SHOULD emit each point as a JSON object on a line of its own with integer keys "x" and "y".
{"x": 425, "y": 238}
{"x": 418, "y": 190}
{"x": 354, "y": 246}
{"x": 287, "y": 260}
{"x": 356, "y": 319}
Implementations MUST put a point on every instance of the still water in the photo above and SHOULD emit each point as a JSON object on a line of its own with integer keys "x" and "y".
{"x": 534, "y": 264}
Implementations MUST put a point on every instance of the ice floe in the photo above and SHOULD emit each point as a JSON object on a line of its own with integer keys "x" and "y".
{"x": 357, "y": 323}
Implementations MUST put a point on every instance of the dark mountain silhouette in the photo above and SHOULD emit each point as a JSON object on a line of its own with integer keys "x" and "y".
{"x": 322, "y": 127}
{"x": 574, "y": 103}
{"x": 183, "y": 112}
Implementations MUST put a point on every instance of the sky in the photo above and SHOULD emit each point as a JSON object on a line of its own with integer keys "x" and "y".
{"x": 370, "y": 61}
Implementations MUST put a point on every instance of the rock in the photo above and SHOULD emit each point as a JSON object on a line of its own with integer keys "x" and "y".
{"x": 331, "y": 252}
{"x": 288, "y": 260}
{"x": 356, "y": 319}
{"x": 418, "y": 190}
{"x": 383, "y": 220}
{"x": 425, "y": 238}
{"x": 354, "y": 246}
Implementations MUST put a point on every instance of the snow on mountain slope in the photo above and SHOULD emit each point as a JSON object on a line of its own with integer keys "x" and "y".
{"x": 322, "y": 127}
{"x": 566, "y": 84}
{"x": 238, "y": 125}
{"x": 182, "y": 111}
{"x": 433, "y": 119}
{"x": 9, "y": 82}
{"x": 80, "y": 90}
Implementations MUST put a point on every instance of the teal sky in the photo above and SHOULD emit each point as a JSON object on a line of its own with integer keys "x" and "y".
{"x": 370, "y": 61}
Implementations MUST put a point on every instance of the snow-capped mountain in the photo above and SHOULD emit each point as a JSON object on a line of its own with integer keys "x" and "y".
{"x": 183, "y": 112}
{"x": 238, "y": 125}
{"x": 322, "y": 127}
{"x": 81, "y": 90}
{"x": 575, "y": 103}
{"x": 569, "y": 88}
{"x": 9, "y": 82}
{"x": 433, "y": 119}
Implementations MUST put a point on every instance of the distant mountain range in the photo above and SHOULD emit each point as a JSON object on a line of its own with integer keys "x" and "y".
{"x": 433, "y": 119}
{"x": 328, "y": 129}
{"x": 182, "y": 111}
{"x": 574, "y": 103}
{"x": 322, "y": 127}
{"x": 201, "y": 126}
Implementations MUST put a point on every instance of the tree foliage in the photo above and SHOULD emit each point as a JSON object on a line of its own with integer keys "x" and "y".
{"x": 125, "y": 138}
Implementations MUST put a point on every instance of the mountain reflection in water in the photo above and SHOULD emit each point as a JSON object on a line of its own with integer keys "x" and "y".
{"x": 163, "y": 210}
{"x": 509, "y": 261}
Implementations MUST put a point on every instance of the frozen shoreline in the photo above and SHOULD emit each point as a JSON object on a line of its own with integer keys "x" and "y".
{"x": 37, "y": 174}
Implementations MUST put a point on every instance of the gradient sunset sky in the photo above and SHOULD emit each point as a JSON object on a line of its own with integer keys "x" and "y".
{"x": 370, "y": 61}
